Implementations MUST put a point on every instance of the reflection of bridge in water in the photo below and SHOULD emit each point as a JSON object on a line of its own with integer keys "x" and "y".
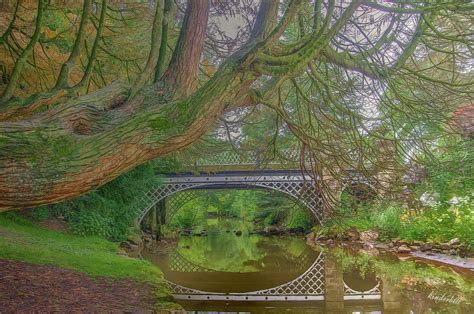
{"x": 321, "y": 280}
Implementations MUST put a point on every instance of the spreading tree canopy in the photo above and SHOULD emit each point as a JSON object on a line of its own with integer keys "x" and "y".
{"x": 89, "y": 92}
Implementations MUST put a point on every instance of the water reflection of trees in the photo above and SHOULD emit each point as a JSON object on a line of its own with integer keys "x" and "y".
{"x": 413, "y": 280}
{"x": 230, "y": 253}
{"x": 360, "y": 281}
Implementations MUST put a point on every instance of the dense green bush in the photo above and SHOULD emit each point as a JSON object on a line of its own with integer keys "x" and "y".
{"x": 298, "y": 219}
{"x": 452, "y": 174}
{"x": 388, "y": 220}
{"x": 446, "y": 213}
{"x": 108, "y": 211}
{"x": 394, "y": 220}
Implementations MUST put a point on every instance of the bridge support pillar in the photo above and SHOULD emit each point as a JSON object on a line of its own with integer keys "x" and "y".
{"x": 160, "y": 210}
{"x": 391, "y": 297}
{"x": 153, "y": 221}
{"x": 163, "y": 204}
{"x": 334, "y": 286}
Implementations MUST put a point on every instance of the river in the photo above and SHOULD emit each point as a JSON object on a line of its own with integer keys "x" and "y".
{"x": 229, "y": 272}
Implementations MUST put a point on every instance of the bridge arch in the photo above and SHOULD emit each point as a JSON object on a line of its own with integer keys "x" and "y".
{"x": 296, "y": 186}
{"x": 180, "y": 198}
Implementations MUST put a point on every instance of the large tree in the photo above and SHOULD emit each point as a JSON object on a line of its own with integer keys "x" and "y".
{"x": 357, "y": 82}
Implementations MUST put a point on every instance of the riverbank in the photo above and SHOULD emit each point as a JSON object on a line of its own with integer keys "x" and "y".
{"x": 453, "y": 253}
{"x": 446, "y": 228}
{"x": 37, "y": 262}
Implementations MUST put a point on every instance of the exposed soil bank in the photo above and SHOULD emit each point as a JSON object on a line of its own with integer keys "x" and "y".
{"x": 28, "y": 287}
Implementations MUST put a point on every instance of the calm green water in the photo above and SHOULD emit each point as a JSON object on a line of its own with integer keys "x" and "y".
{"x": 226, "y": 267}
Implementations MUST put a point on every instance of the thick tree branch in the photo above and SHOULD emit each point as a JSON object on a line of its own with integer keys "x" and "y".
{"x": 156, "y": 34}
{"x": 167, "y": 16}
{"x": 353, "y": 63}
{"x": 294, "y": 62}
{"x": 266, "y": 19}
{"x": 317, "y": 15}
{"x": 62, "y": 81}
{"x": 20, "y": 63}
{"x": 90, "y": 63}
{"x": 180, "y": 77}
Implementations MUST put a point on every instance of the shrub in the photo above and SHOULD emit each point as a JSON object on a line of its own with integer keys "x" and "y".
{"x": 108, "y": 211}
{"x": 298, "y": 219}
{"x": 388, "y": 220}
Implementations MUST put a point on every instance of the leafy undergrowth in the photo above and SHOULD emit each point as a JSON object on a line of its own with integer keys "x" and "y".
{"x": 108, "y": 211}
{"x": 21, "y": 240}
{"x": 438, "y": 208}
{"x": 392, "y": 221}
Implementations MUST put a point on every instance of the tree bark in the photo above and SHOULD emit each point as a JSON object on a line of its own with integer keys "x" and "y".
{"x": 77, "y": 147}
{"x": 181, "y": 75}
{"x": 156, "y": 34}
{"x": 161, "y": 63}
{"x": 66, "y": 68}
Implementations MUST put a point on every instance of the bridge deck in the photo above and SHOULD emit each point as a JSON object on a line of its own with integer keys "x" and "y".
{"x": 235, "y": 179}
{"x": 234, "y": 172}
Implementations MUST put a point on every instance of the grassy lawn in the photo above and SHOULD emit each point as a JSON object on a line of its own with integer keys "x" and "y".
{"x": 21, "y": 240}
